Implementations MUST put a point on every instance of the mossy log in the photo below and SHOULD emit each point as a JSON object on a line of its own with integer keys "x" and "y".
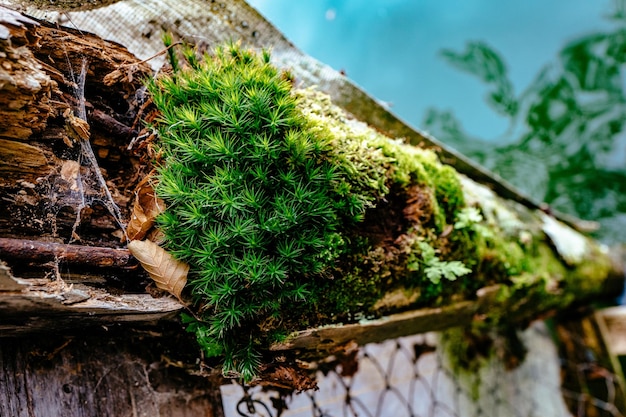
{"x": 525, "y": 263}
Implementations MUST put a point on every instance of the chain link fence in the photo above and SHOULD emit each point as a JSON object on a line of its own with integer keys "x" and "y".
{"x": 416, "y": 376}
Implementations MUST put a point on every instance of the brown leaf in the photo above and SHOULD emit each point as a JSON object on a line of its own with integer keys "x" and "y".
{"x": 118, "y": 75}
{"x": 145, "y": 209}
{"x": 76, "y": 128}
{"x": 168, "y": 273}
{"x": 286, "y": 377}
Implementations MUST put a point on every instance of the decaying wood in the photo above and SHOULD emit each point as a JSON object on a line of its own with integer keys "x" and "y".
{"x": 39, "y": 178}
{"x": 42, "y": 193}
{"x": 593, "y": 381}
{"x": 45, "y": 305}
{"x": 58, "y": 237}
{"x": 613, "y": 325}
{"x": 112, "y": 372}
{"x": 329, "y": 338}
{"x": 37, "y": 252}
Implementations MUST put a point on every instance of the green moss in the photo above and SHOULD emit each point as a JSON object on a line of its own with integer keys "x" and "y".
{"x": 253, "y": 202}
{"x": 292, "y": 214}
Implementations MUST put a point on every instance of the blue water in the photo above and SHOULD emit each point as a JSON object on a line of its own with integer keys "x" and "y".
{"x": 390, "y": 47}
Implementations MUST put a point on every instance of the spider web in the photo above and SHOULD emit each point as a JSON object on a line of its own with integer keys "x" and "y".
{"x": 87, "y": 159}
{"x": 80, "y": 183}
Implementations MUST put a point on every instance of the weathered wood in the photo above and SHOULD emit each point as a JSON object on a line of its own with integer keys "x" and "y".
{"x": 613, "y": 324}
{"x": 46, "y": 190}
{"x": 593, "y": 381}
{"x": 40, "y": 252}
{"x": 111, "y": 372}
{"x": 31, "y": 306}
{"x": 49, "y": 196}
{"x": 21, "y": 161}
{"x": 329, "y": 338}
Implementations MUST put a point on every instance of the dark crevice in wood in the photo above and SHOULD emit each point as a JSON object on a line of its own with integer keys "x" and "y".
{"x": 110, "y": 125}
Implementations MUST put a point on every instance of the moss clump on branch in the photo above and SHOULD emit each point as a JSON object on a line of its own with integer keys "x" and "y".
{"x": 254, "y": 203}
{"x": 291, "y": 214}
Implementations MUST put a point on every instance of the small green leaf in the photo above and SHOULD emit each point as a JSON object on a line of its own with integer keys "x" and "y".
{"x": 428, "y": 253}
{"x": 468, "y": 217}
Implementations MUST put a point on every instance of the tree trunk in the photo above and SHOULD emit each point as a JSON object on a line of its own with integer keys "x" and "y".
{"x": 71, "y": 163}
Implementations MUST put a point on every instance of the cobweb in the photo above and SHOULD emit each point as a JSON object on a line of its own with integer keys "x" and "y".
{"x": 80, "y": 183}
{"x": 87, "y": 159}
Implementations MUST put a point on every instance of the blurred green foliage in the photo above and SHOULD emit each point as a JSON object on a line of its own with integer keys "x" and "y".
{"x": 566, "y": 142}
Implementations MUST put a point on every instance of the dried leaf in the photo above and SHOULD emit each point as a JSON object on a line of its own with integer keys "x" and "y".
{"x": 287, "y": 377}
{"x": 168, "y": 273}
{"x": 118, "y": 75}
{"x": 145, "y": 209}
{"x": 77, "y": 129}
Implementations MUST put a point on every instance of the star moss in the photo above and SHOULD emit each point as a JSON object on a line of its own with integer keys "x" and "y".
{"x": 252, "y": 198}
{"x": 292, "y": 214}
{"x": 287, "y": 212}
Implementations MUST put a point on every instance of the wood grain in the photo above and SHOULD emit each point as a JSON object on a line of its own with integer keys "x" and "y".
{"x": 113, "y": 372}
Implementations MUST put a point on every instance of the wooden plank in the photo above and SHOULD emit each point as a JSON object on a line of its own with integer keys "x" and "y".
{"x": 614, "y": 321}
{"x": 115, "y": 372}
{"x": 424, "y": 320}
{"x": 28, "y": 306}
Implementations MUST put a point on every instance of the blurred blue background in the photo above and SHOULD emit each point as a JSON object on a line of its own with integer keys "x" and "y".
{"x": 391, "y": 47}
{"x": 533, "y": 90}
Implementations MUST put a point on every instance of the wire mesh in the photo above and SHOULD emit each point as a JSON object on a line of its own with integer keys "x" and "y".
{"x": 415, "y": 376}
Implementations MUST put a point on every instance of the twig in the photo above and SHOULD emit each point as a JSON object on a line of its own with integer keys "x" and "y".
{"x": 110, "y": 125}
{"x": 41, "y": 252}
{"x": 161, "y": 52}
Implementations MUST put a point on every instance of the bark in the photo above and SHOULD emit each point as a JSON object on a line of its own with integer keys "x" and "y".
{"x": 54, "y": 222}
{"x": 112, "y": 372}
{"x": 46, "y": 216}
{"x": 66, "y": 266}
